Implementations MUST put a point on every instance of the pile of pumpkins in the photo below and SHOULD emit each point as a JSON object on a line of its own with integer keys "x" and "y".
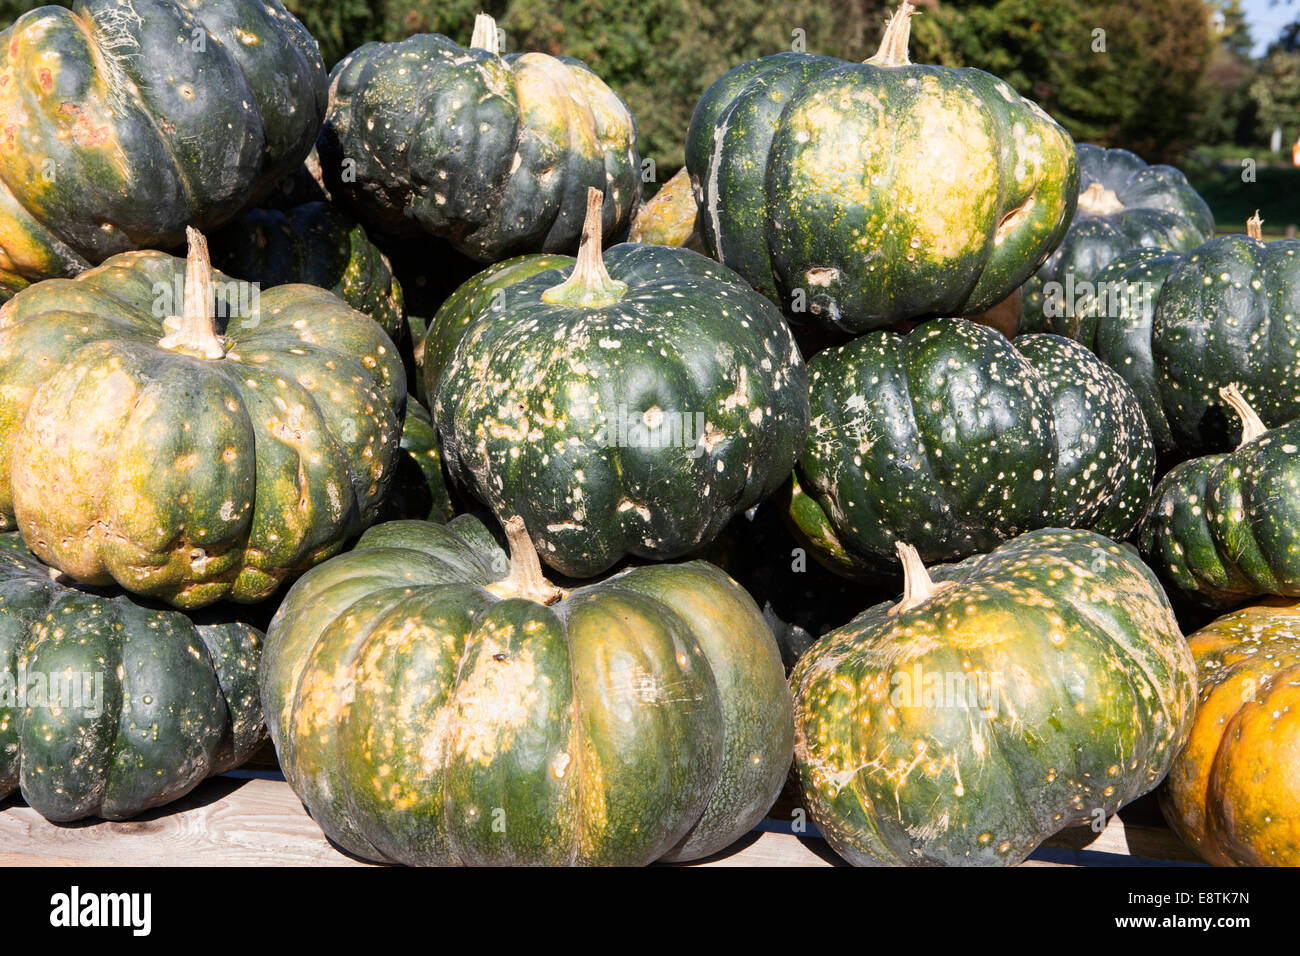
{"x": 375, "y": 410}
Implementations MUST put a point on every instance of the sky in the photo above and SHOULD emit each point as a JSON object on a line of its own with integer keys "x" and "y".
{"x": 1267, "y": 18}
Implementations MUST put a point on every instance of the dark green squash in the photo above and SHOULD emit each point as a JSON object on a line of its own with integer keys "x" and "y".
{"x": 1233, "y": 795}
{"x": 1226, "y": 528}
{"x": 432, "y": 702}
{"x": 1038, "y": 687}
{"x": 316, "y": 244}
{"x": 191, "y": 457}
{"x": 954, "y": 439}
{"x": 1180, "y": 326}
{"x": 631, "y": 405}
{"x": 127, "y": 122}
{"x": 1124, "y": 204}
{"x": 864, "y": 194}
{"x": 420, "y": 488}
{"x": 492, "y": 153}
{"x": 109, "y": 707}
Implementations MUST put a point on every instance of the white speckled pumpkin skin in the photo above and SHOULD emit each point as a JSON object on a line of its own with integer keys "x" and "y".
{"x": 1089, "y": 694}
{"x": 492, "y": 153}
{"x": 540, "y": 405}
{"x": 183, "y": 478}
{"x": 954, "y": 439}
{"x": 173, "y": 700}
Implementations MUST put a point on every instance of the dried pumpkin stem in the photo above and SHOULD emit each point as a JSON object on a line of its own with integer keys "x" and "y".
{"x": 525, "y": 579}
{"x": 917, "y": 584}
{"x": 1255, "y": 227}
{"x": 589, "y": 287}
{"x": 1252, "y": 426}
{"x": 194, "y": 332}
{"x": 1099, "y": 201}
{"x": 485, "y": 35}
{"x": 893, "y": 45}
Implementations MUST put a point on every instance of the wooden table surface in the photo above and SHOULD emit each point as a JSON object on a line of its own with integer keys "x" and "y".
{"x": 252, "y": 818}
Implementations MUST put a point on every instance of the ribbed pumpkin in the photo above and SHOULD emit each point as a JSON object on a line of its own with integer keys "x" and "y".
{"x": 433, "y": 703}
{"x": 631, "y": 405}
{"x": 492, "y": 153}
{"x": 1233, "y": 794}
{"x": 1226, "y": 528}
{"x": 953, "y": 439}
{"x": 669, "y": 218}
{"x": 1038, "y": 687}
{"x": 109, "y": 707}
{"x": 123, "y": 123}
{"x": 182, "y": 459}
{"x": 865, "y": 194}
{"x": 316, "y": 244}
{"x": 1123, "y": 204}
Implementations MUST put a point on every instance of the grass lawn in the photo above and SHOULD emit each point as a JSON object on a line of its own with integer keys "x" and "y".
{"x": 1275, "y": 191}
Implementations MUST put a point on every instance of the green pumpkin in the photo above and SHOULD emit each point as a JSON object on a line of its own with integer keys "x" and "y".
{"x": 128, "y": 122}
{"x": 186, "y": 457}
{"x": 1233, "y": 795}
{"x": 1124, "y": 204}
{"x": 473, "y": 297}
{"x": 492, "y": 153}
{"x": 1180, "y": 326}
{"x": 631, "y": 405}
{"x": 1041, "y": 686}
{"x": 432, "y": 702}
{"x": 109, "y": 707}
{"x": 873, "y": 193}
{"x": 954, "y": 439}
{"x": 420, "y": 489}
{"x": 1226, "y": 528}
{"x": 318, "y": 245}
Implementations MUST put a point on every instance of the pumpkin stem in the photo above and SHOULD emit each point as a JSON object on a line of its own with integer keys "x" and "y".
{"x": 1252, "y": 426}
{"x": 893, "y": 45}
{"x": 485, "y": 35}
{"x": 525, "y": 579}
{"x": 1099, "y": 201}
{"x": 589, "y": 286}
{"x": 1254, "y": 227}
{"x": 917, "y": 585}
{"x": 194, "y": 332}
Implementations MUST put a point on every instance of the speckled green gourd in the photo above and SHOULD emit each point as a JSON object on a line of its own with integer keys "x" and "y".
{"x": 124, "y": 123}
{"x": 863, "y": 194}
{"x": 1041, "y": 686}
{"x": 1226, "y": 528}
{"x": 191, "y": 457}
{"x": 433, "y": 702}
{"x": 109, "y": 707}
{"x": 1233, "y": 795}
{"x": 628, "y": 406}
{"x": 492, "y": 153}
{"x": 317, "y": 244}
{"x": 1124, "y": 204}
{"x": 953, "y": 439}
{"x": 419, "y": 488}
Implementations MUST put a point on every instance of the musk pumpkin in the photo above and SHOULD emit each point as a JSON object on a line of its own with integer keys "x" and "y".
{"x": 1226, "y": 528}
{"x": 631, "y": 405}
{"x": 110, "y": 707}
{"x": 1233, "y": 794}
{"x": 1124, "y": 204}
{"x": 124, "y": 123}
{"x": 864, "y": 194}
{"x": 434, "y": 703}
{"x": 1040, "y": 686}
{"x": 953, "y": 439}
{"x": 196, "y": 456}
{"x": 492, "y": 153}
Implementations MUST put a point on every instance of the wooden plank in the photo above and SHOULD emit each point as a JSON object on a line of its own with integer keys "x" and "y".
{"x": 254, "y": 821}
